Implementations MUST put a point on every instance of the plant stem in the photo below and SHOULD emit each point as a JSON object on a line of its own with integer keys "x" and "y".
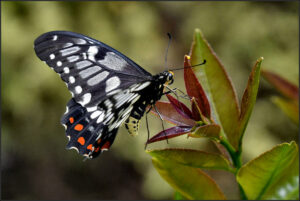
{"x": 235, "y": 155}
{"x": 237, "y": 161}
{"x": 242, "y": 193}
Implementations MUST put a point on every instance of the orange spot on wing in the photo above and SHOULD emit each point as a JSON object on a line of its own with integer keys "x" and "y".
{"x": 71, "y": 119}
{"x": 98, "y": 141}
{"x": 78, "y": 127}
{"x": 106, "y": 145}
{"x": 81, "y": 140}
{"x": 90, "y": 147}
{"x": 97, "y": 149}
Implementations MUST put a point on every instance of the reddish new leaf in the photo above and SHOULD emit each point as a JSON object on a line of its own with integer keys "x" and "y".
{"x": 194, "y": 89}
{"x": 285, "y": 87}
{"x": 197, "y": 114}
{"x": 170, "y": 133}
{"x": 195, "y": 110}
{"x": 180, "y": 107}
{"x": 169, "y": 114}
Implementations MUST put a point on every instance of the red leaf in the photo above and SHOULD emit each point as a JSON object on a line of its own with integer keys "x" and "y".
{"x": 196, "y": 112}
{"x": 285, "y": 87}
{"x": 180, "y": 107}
{"x": 170, "y": 133}
{"x": 169, "y": 114}
{"x": 194, "y": 88}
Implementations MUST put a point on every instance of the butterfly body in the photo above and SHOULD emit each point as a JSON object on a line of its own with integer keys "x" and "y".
{"x": 107, "y": 89}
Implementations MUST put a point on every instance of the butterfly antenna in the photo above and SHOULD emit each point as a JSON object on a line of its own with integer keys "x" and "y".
{"x": 166, "y": 55}
{"x": 204, "y": 62}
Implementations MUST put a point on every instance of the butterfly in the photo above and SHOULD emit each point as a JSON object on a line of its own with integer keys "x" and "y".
{"x": 107, "y": 89}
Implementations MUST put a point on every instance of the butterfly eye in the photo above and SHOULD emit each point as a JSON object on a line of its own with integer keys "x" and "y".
{"x": 170, "y": 77}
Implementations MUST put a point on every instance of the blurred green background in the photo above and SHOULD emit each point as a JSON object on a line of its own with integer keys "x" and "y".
{"x": 35, "y": 163}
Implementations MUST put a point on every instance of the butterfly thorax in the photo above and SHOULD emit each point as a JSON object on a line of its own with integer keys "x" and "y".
{"x": 154, "y": 91}
{"x": 149, "y": 95}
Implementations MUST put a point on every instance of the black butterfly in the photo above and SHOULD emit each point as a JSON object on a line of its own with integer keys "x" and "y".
{"x": 107, "y": 89}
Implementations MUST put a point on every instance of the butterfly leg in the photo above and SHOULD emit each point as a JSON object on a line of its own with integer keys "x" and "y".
{"x": 148, "y": 131}
{"x": 185, "y": 96}
{"x": 177, "y": 97}
{"x": 162, "y": 122}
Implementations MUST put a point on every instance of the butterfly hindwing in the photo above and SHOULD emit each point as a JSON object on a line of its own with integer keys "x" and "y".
{"x": 81, "y": 130}
{"x": 92, "y": 131}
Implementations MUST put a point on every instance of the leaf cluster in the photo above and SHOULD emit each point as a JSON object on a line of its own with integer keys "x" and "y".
{"x": 216, "y": 114}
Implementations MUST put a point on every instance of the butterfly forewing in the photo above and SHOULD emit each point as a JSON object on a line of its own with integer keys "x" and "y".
{"x": 90, "y": 68}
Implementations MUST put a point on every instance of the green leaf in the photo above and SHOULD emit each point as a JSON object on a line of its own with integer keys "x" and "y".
{"x": 210, "y": 130}
{"x": 217, "y": 85}
{"x": 248, "y": 100}
{"x": 287, "y": 187}
{"x": 192, "y": 183}
{"x": 178, "y": 196}
{"x": 261, "y": 176}
{"x": 193, "y": 158}
{"x": 289, "y": 107}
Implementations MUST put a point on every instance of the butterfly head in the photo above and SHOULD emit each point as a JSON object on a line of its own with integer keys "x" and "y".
{"x": 167, "y": 77}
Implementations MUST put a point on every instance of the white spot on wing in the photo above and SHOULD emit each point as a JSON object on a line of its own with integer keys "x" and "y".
{"x": 82, "y": 64}
{"x": 54, "y": 38}
{"x": 78, "y": 89}
{"x": 114, "y": 92}
{"x": 79, "y": 41}
{"x": 58, "y": 63}
{"x": 69, "y": 51}
{"x": 73, "y": 58}
{"x": 108, "y": 103}
{"x": 91, "y": 109}
{"x": 100, "y": 118}
{"x": 122, "y": 98}
{"x": 52, "y": 56}
{"x": 84, "y": 55}
{"x": 67, "y": 110}
{"x": 142, "y": 86}
{"x": 89, "y": 71}
{"x": 71, "y": 79}
{"x": 97, "y": 78}
{"x": 67, "y": 45}
{"x": 113, "y": 61}
{"x": 108, "y": 117}
{"x": 127, "y": 111}
{"x": 95, "y": 114}
{"x": 112, "y": 83}
{"x": 92, "y": 51}
{"x": 65, "y": 126}
{"x": 66, "y": 70}
{"x": 134, "y": 98}
{"x": 86, "y": 98}
{"x": 120, "y": 122}
{"x": 74, "y": 148}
